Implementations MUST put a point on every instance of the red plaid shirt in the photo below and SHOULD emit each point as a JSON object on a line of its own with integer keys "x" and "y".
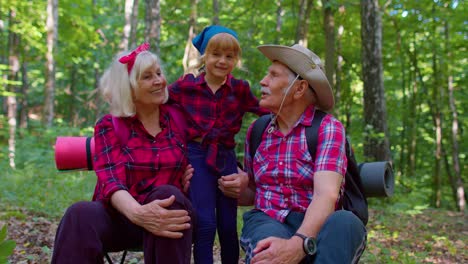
{"x": 141, "y": 164}
{"x": 214, "y": 117}
{"x": 284, "y": 169}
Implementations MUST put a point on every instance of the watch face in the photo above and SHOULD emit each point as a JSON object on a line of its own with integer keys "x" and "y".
{"x": 310, "y": 246}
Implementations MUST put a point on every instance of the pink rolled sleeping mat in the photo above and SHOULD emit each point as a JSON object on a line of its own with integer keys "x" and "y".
{"x": 74, "y": 153}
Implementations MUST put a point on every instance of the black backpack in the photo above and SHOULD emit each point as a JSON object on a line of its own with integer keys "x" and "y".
{"x": 353, "y": 198}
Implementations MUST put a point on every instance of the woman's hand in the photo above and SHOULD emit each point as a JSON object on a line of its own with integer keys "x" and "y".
{"x": 160, "y": 221}
{"x": 188, "y": 174}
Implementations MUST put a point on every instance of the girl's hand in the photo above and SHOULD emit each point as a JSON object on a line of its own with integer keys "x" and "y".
{"x": 234, "y": 184}
{"x": 188, "y": 174}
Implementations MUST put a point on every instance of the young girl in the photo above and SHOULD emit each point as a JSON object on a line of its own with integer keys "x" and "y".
{"x": 215, "y": 103}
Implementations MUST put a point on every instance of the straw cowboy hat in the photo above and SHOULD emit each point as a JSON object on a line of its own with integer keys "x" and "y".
{"x": 308, "y": 65}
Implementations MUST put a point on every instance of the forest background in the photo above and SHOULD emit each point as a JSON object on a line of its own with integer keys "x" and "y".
{"x": 397, "y": 68}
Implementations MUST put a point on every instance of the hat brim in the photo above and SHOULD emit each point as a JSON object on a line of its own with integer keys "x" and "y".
{"x": 306, "y": 68}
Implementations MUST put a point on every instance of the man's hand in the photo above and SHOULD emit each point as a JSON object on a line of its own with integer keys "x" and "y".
{"x": 234, "y": 184}
{"x": 276, "y": 250}
{"x": 188, "y": 174}
{"x": 160, "y": 221}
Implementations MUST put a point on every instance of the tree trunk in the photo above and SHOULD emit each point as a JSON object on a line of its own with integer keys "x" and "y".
{"x": 343, "y": 93}
{"x": 376, "y": 145}
{"x": 438, "y": 158}
{"x": 134, "y": 25}
{"x": 436, "y": 116}
{"x": 279, "y": 19}
{"x": 329, "y": 29}
{"x": 124, "y": 44}
{"x": 215, "y": 12}
{"x": 412, "y": 121}
{"x": 23, "y": 102}
{"x": 52, "y": 29}
{"x": 415, "y": 110}
{"x": 400, "y": 168}
{"x": 338, "y": 73}
{"x": 303, "y": 22}
{"x": 190, "y": 54}
{"x": 153, "y": 24}
{"x": 457, "y": 183}
{"x": 14, "y": 67}
{"x": 11, "y": 103}
{"x": 73, "y": 114}
{"x": 98, "y": 100}
{"x": 300, "y": 33}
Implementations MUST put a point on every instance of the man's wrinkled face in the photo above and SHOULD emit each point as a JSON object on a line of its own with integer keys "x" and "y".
{"x": 274, "y": 85}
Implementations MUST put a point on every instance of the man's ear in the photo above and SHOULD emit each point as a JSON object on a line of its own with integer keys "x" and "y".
{"x": 301, "y": 89}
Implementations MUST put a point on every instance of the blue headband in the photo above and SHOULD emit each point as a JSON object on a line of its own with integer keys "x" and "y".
{"x": 201, "y": 40}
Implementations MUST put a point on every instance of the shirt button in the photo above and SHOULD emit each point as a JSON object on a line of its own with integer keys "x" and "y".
{"x": 281, "y": 163}
{"x": 285, "y": 199}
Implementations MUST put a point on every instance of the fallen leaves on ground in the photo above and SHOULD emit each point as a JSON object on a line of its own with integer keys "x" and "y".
{"x": 433, "y": 236}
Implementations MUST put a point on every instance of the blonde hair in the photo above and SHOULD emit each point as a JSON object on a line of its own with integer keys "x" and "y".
{"x": 220, "y": 41}
{"x": 116, "y": 84}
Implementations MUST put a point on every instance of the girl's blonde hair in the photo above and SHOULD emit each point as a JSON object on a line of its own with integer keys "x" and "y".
{"x": 220, "y": 41}
{"x": 116, "y": 84}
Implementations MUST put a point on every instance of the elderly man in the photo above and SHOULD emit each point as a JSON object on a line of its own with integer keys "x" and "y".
{"x": 296, "y": 217}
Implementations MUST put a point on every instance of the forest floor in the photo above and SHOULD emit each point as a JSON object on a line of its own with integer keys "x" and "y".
{"x": 432, "y": 236}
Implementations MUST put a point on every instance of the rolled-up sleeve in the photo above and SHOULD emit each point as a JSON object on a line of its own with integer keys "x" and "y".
{"x": 331, "y": 151}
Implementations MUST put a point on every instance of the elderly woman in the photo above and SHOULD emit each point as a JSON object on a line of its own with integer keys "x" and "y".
{"x": 138, "y": 201}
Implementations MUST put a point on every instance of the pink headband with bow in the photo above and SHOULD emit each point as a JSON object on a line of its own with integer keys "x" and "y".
{"x": 130, "y": 58}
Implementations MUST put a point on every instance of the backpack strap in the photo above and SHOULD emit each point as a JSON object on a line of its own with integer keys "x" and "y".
{"x": 261, "y": 123}
{"x": 121, "y": 130}
{"x": 89, "y": 153}
{"x": 258, "y": 128}
{"x": 312, "y": 132}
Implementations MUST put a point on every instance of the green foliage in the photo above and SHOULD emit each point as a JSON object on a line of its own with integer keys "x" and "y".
{"x": 424, "y": 44}
{"x": 36, "y": 184}
{"x": 6, "y": 246}
{"x": 52, "y": 191}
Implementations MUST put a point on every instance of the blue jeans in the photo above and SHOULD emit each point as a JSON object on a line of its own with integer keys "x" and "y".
{"x": 214, "y": 210}
{"x": 342, "y": 238}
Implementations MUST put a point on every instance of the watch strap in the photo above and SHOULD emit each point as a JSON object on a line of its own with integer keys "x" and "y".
{"x": 305, "y": 239}
{"x": 300, "y": 235}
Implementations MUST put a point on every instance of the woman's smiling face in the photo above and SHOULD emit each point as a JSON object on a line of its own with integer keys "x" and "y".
{"x": 151, "y": 88}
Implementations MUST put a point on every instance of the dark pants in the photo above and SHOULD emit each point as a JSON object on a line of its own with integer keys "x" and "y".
{"x": 88, "y": 229}
{"x": 214, "y": 210}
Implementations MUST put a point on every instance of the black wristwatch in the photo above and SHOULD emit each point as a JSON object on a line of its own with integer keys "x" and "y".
{"x": 309, "y": 245}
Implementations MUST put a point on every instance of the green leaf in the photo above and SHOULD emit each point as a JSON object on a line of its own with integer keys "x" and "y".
{"x": 3, "y": 233}
{"x": 6, "y": 248}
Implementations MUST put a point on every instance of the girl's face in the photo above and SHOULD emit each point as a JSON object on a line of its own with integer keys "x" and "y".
{"x": 151, "y": 87}
{"x": 220, "y": 62}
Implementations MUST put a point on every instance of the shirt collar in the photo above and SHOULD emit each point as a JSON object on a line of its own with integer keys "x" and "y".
{"x": 163, "y": 117}
{"x": 307, "y": 116}
{"x": 305, "y": 119}
{"x": 228, "y": 82}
